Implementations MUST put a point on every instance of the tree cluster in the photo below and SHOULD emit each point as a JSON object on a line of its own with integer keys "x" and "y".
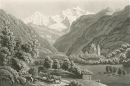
{"x": 15, "y": 52}
{"x": 92, "y": 59}
{"x": 119, "y": 71}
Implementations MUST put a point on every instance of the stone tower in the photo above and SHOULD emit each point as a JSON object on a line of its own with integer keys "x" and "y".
{"x": 98, "y": 50}
{"x": 93, "y": 49}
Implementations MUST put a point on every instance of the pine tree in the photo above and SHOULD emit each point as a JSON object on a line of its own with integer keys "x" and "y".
{"x": 119, "y": 71}
{"x": 66, "y": 64}
{"x": 124, "y": 72}
{"x": 56, "y": 64}
{"x": 47, "y": 62}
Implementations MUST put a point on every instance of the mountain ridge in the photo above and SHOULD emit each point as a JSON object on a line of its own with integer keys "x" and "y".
{"x": 91, "y": 27}
{"x": 20, "y": 29}
{"x": 39, "y": 19}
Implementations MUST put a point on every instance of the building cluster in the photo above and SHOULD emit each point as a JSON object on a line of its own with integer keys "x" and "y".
{"x": 95, "y": 49}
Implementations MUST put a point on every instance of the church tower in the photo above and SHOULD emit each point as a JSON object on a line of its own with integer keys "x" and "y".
{"x": 98, "y": 50}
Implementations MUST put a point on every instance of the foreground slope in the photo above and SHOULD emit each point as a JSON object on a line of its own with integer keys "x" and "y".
{"x": 105, "y": 28}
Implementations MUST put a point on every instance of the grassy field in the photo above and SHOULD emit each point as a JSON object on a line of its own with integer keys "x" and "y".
{"x": 110, "y": 80}
{"x": 98, "y": 74}
{"x": 70, "y": 76}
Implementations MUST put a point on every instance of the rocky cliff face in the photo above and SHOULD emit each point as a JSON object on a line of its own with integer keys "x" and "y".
{"x": 105, "y": 28}
{"x": 22, "y": 30}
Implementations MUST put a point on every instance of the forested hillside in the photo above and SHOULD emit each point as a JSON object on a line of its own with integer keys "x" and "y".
{"x": 107, "y": 28}
{"x": 22, "y": 30}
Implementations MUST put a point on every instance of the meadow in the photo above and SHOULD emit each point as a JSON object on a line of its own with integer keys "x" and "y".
{"x": 108, "y": 79}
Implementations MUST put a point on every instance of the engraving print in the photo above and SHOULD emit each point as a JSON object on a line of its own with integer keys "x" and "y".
{"x": 64, "y": 42}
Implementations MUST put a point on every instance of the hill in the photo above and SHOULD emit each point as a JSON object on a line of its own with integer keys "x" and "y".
{"x": 107, "y": 28}
{"x": 47, "y": 33}
{"x": 20, "y": 29}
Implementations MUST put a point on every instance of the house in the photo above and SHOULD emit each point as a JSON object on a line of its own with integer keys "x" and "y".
{"x": 86, "y": 74}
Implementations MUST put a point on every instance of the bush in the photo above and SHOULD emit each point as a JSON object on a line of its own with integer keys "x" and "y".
{"x": 75, "y": 83}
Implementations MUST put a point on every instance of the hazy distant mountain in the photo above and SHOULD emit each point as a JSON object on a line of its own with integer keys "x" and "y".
{"x": 56, "y": 24}
{"x": 107, "y": 28}
{"x": 56, "y": 21}
{"x": 20, "y": 29}
{"x": 47, "y": 33}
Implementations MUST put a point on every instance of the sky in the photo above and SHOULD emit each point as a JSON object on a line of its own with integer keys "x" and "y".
{"x": 24, "y": 8}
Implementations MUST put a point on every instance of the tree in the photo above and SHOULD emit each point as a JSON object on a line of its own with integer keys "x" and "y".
{"x": 76, "y": 70}
{"x": 124, "y": 72}
{"x": 14, "y": 52}
{"x": 107, "y": 69}
{"x": 7, "y": 44}
{"x": 66, "y": 64}
{"x": 122, "y": 57}
{"x": 114, "y": 69}
{"x": 119, "y": 71}
{"x": 61, "y": 63}
{"x": 47, "y": 62}
{"x": 110, "y": 69}
{"x": 33, "y": 71}
{"x": 72, "y": 64}
{"x": 34, "y": 45}
{"x": 56, "y": 64}
{"x": 19, "y": 43}
{"x": 128, "y": 54}
{"x": 7, "y": 40}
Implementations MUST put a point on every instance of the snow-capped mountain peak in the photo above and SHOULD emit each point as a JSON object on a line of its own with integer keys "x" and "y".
{"x": 57, "y": 21}
{"x": 78, "y": 8}
{"x": 38, "y": 13}
{"x": 37, "y": 18}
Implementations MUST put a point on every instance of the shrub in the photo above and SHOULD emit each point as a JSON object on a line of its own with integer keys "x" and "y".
{"x": 75, "y": 83}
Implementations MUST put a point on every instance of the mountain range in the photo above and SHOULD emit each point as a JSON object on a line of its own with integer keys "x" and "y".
{"x": 110, "y": 29}
{"x": 71, "y": 14}
{"x": 59, "y": 23}
{"x": 20, "y": 29}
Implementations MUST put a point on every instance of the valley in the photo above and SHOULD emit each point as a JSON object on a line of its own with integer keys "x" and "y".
{"x": 64, "y": 46}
